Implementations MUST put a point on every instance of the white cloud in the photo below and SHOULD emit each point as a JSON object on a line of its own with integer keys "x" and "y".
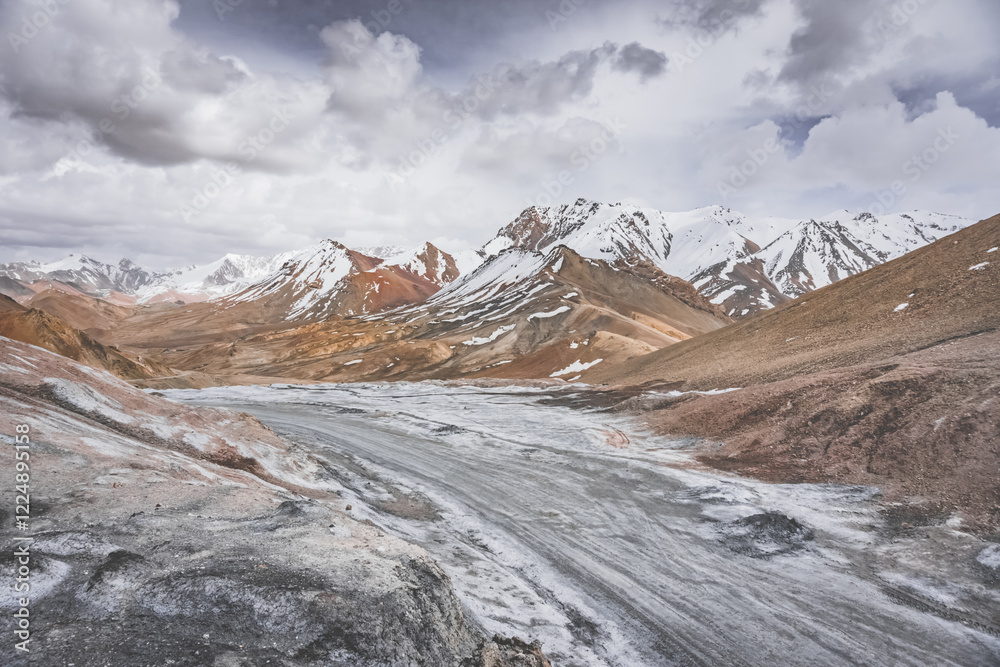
{"x": 382, "y": 147}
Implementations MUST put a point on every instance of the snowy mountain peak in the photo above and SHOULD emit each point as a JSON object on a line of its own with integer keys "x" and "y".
{"x": 428, "y": 262}
{"x": 744, "y": 263}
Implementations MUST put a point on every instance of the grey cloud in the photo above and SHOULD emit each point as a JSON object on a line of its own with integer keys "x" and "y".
{"x": 539, "y": 87}
{"x": 207, "y": 74}
{"x": 635, "y": 57}
{"x": 448, "y": 30}
{"x": 971, "y": 91}
{"x": 710, "y": 15}
{"x": 384, "y": 109}
{"x": 836, "y": 35}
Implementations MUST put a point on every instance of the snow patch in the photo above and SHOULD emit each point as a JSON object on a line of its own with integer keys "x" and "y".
{"x": 576, "y": 367}
{"x": 901, "y": 307}
{"x": 558, "y": 311}
{"x": 979, "y": 267}
{"x": 489, "y": 339}
{"x": 356, "y": 361}
{"x": 990, "y": 557}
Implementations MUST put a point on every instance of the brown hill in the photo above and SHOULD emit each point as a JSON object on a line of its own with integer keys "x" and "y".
{"x": 53, "y": 334}
{"x": 329, "y": 284}
{"x": 8, "y": 305}
{"x": 92, "y": 315}
{"x": 562, "y": 313}
{"x": 846, "y": 385}
{"x": 852, "y": 321}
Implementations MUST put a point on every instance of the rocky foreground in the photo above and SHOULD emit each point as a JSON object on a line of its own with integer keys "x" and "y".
{"x": 169, "y": 535}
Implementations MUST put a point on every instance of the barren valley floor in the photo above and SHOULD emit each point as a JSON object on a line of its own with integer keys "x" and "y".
{"x": 613, "y": 547}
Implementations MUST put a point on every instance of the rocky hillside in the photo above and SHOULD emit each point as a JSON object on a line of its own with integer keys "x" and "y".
{"x": 519, "y": 315}
{"x": 135, "y": 555}
{"x": 38, "y": 328}
{"x": 942, "y": 292}
{"x": 889, "y": 378}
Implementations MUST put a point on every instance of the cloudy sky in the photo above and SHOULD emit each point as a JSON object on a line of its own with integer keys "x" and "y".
{"x": 174, "y": 131}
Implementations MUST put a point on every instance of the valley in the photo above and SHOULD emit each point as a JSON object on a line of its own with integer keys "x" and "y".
{"x": 625, "y": 437}
{"x": 613, "y": 546}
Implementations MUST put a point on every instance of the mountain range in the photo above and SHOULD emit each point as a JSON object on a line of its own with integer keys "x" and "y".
{"x": 814, "y": 350}
{"x": 744, "y": 264}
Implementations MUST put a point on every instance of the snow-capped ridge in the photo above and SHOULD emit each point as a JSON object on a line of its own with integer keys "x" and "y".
{"x": 745, "y": 263}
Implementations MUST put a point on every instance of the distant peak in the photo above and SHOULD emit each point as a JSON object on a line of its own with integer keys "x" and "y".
{"x": 330, "y": 243}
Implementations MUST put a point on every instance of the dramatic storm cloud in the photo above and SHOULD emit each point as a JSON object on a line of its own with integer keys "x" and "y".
{"x": 176, "y": 131}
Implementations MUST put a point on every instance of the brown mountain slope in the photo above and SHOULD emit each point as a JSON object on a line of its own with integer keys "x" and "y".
{"x": 563, "y": 312}
{"x": 8, "y": 305}
{"x": 53, "y": 334}
{"x": 336, "y": 281}
{"x": 80, "y": 311}
{"x": 865, "y": 392}
{"x": 333, "y": 283}
{"x": 924, "y": 426}
{"x": 850, "y": 322}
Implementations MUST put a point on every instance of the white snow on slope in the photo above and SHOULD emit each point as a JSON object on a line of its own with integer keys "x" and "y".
{"x": 576, "y": 367}
{"x": 489, "y": 339}
{"x": 223, "y": 277}
{"x": 541, "y": 316}
{"x": 708, "y": 244}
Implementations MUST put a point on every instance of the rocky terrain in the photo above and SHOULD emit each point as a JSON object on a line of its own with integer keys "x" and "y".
{"x": 744, "y": 264}
{"x": 517, "y": 316}
{"x": 39, "y": 328}
{"x": 615, "y": 547}
{"x": 887, "y": 378}
{"x": 168, "y": 535}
